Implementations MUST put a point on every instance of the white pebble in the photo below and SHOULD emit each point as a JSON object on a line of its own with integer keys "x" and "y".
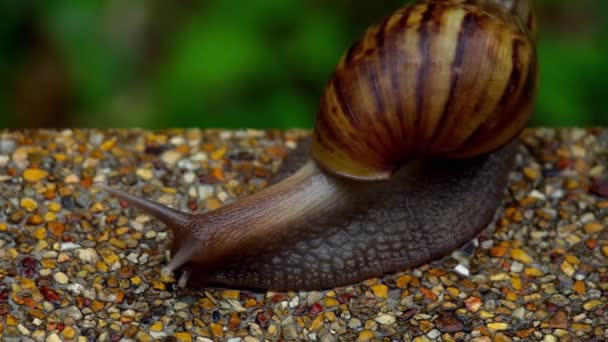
{"x": 133, "y": 257}
{"x": 199, "y": 157}
{"x": 519, "y": 313}
{"x": 517, "y": 267}
{"x": 72, "y": 179}
{"x": 23, "y": 330}
{"x": 37, "y": 322}
{"x": 61, "y": 278}
{"x": 487, "y": 244}
{"x": 433, "y": 334}
{"x": 171, "y": 157}
{"x": 538, "y": 195}
{"x": 3, "y": 160}
{"x": 143, "y": 259}
{"x": 222, "y": 196}
{"x": 137, "y": 226}
{"x": 204, "y": 192}
{"x": 294, "y": 302}
{"x": 88, "y": 255}
{"x": 189, "y": 177}
{"x": 157, "y": 334}
{"x": 75, "y": 288}
{"x": 145, "y": 174}
{"x": 177, "y": 141}
{"x": 68, "y": 246}
{"x": 385, "y": 319}
{"x": 462, "y": 270}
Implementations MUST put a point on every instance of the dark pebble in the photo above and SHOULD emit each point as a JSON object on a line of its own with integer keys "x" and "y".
{"x": 29, "y": 262}
{"x": 67, "y": 202}
{"x": 29, "y": 272}
{"x": 83, "y": 201}
{"x": 154, "y": 150}
{"x": 448, "y": 323}
{"x": 49, "y": 294}
{"x": 600, "y": 187}
{"x": 158, "y": 310}
{"x": 17, "y": 216}
{"x": 4, "y": 296}
{"x": 244, "y": 155}
{"x": 263, "y": 318}
{"x": 315, "y": 309}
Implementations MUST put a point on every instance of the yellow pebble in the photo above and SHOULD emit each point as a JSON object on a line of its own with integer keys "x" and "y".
{"x": 380, "y": 290}
{"x": 60, "y": 157}
{"x": 593, "y": 227}
{"x": 218, "y": 154}
{"x": 159, "y": 285}
{"x": 102, "y": 266}
{"x": 40, "y": 233}
{"x": 34, "y": 175}
{"x": 534, "y": 272}
{"x": 157, "y": 326}
{"x": 330, "y": 302}
{"x": 109, "y": 256}
{"x": 97, "y": 208}
{"x": 136, "y": 280}
{"x": 485, "y": 314}
{"x": 55, "y": 207}
{"x": 231, "y": 294}
{"x": 498, "y": 326}
{"x": 48, "y": 263}
{"x": 520, "y": 255}
{"x": 572, "y": 259}
{"x": 403, "y": 281}
{"x": 516, "y": 283}
{"x": 118, "y": 243}
{"x": 50, "y": 217}
{"x": 11, "y": 320}
{"x": 365, "y": 335}
{"x": 121, "y": 231}
{"x": 592, "y": 304}
{"x": 108, "y": 145}
{"x": 183, "y": 336}
{"x": 317, "y": 323}
{"x": 3, "y": 227}
{"x": 68, "y": 332}
{"x": 567, "y": 268}
{"x": 605, "y": 251}
{"x": 29, "y": 204}
{"x": 216, "y": 330}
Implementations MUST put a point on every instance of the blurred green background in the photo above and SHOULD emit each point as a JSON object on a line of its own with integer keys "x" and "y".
{"x": 258, "y": 63}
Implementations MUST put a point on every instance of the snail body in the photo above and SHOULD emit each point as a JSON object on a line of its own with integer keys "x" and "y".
{"x": 408, "y": 159}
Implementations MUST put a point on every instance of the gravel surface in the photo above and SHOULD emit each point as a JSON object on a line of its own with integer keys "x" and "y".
{"x": 77, "y": 264}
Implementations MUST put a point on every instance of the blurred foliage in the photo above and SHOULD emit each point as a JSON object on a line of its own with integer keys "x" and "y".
{"x": 261, "y": 63}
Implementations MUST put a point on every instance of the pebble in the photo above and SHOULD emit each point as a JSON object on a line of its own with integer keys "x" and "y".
{"x": 34, "y": 175}
{"x": 171, "y": 157}
{"x": 385, "y": 319}
{"x": 29, "y": 204}
{"x": 61, "y": 278}
{"x": 74, "y": 256}
{"x": 88, "y": 255}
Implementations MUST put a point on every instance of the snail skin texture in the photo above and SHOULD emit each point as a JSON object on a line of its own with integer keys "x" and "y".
{"x": 413, "y": 143}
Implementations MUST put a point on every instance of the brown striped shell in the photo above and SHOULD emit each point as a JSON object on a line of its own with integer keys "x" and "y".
{"x": 439, "y": 78}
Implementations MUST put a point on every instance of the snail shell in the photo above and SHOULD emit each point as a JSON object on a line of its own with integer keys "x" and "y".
{"x": 448, "y": 79}
{"x": 438, "y": 80}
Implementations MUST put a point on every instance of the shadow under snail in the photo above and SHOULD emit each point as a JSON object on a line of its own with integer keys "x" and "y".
{"x": 409, "y": 157}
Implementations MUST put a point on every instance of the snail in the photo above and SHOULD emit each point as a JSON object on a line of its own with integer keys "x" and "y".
{"x": 409, "y": 157}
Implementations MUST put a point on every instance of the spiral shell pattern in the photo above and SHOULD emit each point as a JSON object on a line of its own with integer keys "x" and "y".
{"x": 439, "y": 78}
